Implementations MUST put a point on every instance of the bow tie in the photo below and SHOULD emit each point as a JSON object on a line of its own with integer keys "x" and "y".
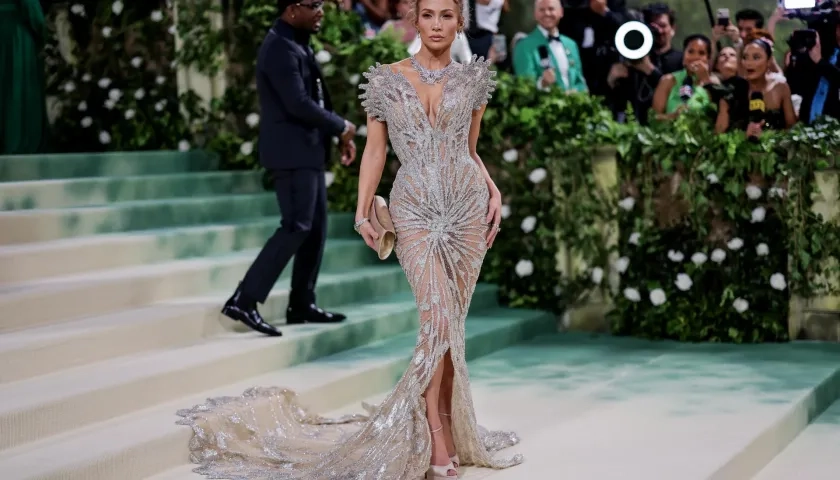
{"x": 553, "y": 38}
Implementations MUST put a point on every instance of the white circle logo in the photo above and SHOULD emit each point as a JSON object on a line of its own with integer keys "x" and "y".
{"x": 640, "y": 51}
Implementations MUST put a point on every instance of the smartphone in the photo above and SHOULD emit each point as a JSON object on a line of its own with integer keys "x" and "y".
{"x": 500, "y": 46}
{"x": 723, "y": 17}
{"x": 798, "y": 4}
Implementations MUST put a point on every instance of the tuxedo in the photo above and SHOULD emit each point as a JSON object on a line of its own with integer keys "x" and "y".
{"x": 296, "y": 127}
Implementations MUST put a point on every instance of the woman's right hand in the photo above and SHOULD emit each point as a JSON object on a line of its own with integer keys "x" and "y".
{"x": 369, "y": 235}
{"x": 754, "y": 129}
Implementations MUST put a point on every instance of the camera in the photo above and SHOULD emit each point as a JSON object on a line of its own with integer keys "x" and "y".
{"x": 802, "y": 41}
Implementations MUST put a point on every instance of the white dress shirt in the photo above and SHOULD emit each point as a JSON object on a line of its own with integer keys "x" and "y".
{"x": 559, "y": 52}
{"x": 487, "y": 16}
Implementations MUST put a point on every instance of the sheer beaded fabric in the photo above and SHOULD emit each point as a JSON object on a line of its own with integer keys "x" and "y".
{"x": 439, "y": 204}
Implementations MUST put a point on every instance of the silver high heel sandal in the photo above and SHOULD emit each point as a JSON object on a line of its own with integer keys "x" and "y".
{"x": 453, "y": 458}
{"x": 436, "y": 472}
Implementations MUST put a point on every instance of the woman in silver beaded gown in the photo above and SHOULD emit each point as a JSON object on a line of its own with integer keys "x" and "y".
{"x": 446, "y": 212}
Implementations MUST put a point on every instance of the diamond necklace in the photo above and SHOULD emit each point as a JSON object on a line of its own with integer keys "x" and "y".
{"x": 428, "y": 76}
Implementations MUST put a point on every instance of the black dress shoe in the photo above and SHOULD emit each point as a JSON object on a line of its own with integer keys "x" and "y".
{"x": 250, "y": 316}
{"x": 311, "y": 314}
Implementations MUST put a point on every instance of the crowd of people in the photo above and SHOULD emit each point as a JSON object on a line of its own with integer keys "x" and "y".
{"x": 573, "y": 48}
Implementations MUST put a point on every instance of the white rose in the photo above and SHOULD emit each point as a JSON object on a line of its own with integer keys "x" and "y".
{"x": 160, "y": 79}
{"x": 172, "y": 30}
{"x": 117, "y": 7}
{"x": 354, "y": 79}
{"x": 777, "y": 281}
{"x": 83, "y": 106}
{"x": 86, "y": 122}
{"x": 753, "y": 192}
{"x": 634, "y": 238}
{"x": 758, "y": 215}
{"x": 104, "y": 82}
{"x": 698, "y": 258}
{"x": 329, "y": 178}
{"x": 735, "y": 244}
{"x": 110, "y": 104}
{"x": 69, "y": 87}
{"x": 627, "y": 204}
{"x": 106, "y": 31}
{"x": 718, "y": 255}
{"x": 538, "y": 175}
{"x": 78, "y": 9}
{"x": 104, "y": 137}
{"x": 246, "y": 148}
{"x": 622, "y": 264}
{"x": 597, "y": 275}
{"x": 183, "y": 146}
{"x": 362, "y": 131}
{"x": 762, "y": 250}
{"x": 675, "y": 256}
{"x": 683, "y": 282}
{"x": 115, "y": 94}
{"x": 657, "y": 297}
{"x": 505, "y": 211}
{"x": 524, "y": 268}
{"x": 136, "y": 62}
{"x": 323, "y": 57}
{"x": 87, "y": 77}
{"x": 712, "y": 178}
{"x": 632, "y": 294}
{"x": 129, "y": 114}
{"x": 253, "y": 119}
{"x": 528, "y": 224}
{"x": 139, "y": 94}
{"x": 159, "y": 106}
{"x": 776, "y": 192}
{"x": 157, "y": 16}
{"x": 740, "y": 305}
{"x": 511, "y": 155}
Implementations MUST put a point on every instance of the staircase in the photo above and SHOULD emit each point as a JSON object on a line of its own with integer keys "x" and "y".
{"x": 113, "y": 268}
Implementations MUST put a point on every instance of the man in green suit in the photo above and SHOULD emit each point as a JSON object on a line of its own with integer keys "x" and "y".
{"x": 566, "y": 70}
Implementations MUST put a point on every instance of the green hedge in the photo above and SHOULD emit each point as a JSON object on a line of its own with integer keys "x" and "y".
{"x": 539, "y": 148}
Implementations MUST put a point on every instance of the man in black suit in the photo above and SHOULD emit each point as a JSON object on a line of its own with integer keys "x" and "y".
{"x": 296, "y": 128}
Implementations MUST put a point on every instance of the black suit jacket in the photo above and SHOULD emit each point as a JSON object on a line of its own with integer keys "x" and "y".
{"x": 295, "y": 131}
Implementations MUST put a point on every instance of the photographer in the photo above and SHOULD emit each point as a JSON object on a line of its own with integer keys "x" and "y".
{"x": 813, "y": 72}
{"x": 635, "y": 82}
{"x": 592, "y": 25}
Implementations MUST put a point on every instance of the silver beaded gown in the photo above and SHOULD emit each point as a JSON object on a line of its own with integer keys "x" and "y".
{"x": 439, "y": 205}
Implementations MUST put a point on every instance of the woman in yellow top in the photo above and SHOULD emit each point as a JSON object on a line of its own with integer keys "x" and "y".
{"x": 669, "y": 98}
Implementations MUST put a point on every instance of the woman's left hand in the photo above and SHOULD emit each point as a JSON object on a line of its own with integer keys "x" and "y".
{"x": 494, "y": 215}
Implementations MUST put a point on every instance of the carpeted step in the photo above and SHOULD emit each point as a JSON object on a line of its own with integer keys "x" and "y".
{"x": 77, "y": 192}
{"x": 27, "y": 226}
{"x": 60, "y": 299}
{"x": 17, "y": 168}
{"x": 44, "y": 406}
{"x": 28, "y": 262}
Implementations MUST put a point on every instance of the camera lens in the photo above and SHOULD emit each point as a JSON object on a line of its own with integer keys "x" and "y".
{"x": 634, "y": 40}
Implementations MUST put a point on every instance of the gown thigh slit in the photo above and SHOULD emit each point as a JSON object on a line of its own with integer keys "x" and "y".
{"x": 438, "y": 203}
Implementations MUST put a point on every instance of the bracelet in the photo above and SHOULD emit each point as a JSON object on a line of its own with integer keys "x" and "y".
{"x": 359, "y": 223}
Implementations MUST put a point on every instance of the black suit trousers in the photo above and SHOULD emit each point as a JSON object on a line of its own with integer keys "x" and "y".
{"x": 302, "y": 197}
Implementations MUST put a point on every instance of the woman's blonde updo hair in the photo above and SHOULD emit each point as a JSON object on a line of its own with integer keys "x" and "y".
{"x": 462, "y": 6}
